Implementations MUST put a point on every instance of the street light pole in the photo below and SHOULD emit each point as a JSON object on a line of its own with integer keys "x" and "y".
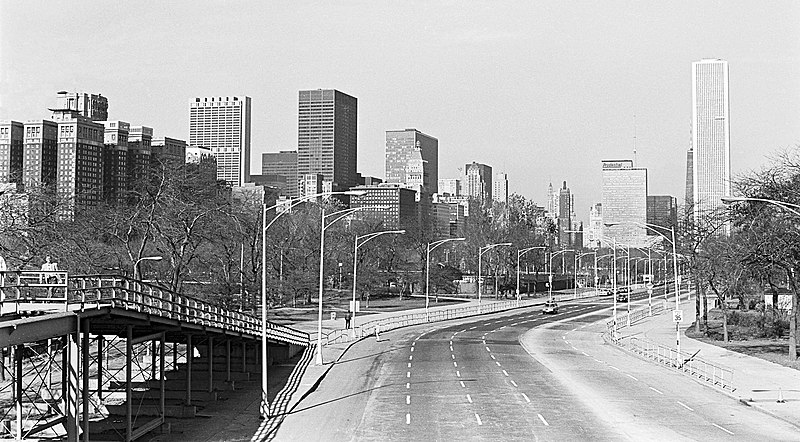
{"x": 431, "y": 247}
{"x": 519, "y": 255}
{"x": 481, "y": 251}
{"x": 356, "y": 245}
{"x": 144, "y": 258}
{"x": 552, "y": 254}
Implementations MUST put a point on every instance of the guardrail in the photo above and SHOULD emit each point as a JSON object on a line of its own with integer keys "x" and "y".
{"x": 33, "y": 285}
{"x": 713, "y": 374}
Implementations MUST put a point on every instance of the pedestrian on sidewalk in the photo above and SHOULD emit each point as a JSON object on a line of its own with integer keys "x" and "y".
{"x": 347, "y": 318}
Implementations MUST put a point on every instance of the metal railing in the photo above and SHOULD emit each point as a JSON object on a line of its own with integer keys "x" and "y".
{"x": 33, "y": 285}
{"x": 713, "y": 374}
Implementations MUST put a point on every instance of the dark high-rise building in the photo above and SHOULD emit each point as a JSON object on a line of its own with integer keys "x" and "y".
{"x": 282, "y": 166}
{"x": 40, "y": 157}
{"x": 140, "y": 140}
{"x": 170, "y": 150}
{"x": 11, "y": 147}
{"x": 412, "y": 159}
{"x": 115, "y": 161}
{"x": 478, "y": 182}
{"x": 327, "y": 136}
{"x": 565, "y": 209}
{"x": 80, "y": 162}
{"x": 662, "y": 210}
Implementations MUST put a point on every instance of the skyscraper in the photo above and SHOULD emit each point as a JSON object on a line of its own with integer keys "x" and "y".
{"x": 500, "y": 190}
{"x": 80, "y": 161}
{"x": 624, "y": 203}
{"x": 11, "y": 147}
{"x": 478, "y": 182}
{"x": 689, "y": 197}
{"x": 41, "y": 154}
{"x": 710, "y": 135}
{"x": 662, "y": 210}
{"x": 595, "y": 230}
{"x": 565, "y": 210}
{"x": 222, "y": 124}
{"x": 410, "y": 149}
{"x": 281, "y": 166}
{"x": 115, "y": 160}
{"x": 327, "y": 136}
{"x": 91, "y": 106}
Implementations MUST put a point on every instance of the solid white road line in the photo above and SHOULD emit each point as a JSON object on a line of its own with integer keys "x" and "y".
{"x": 656, "y": 390}
{"x": 469, "y": 398}
{"x": 685, "y": 406}
{"x": 615, "y": 368}
{"x": 505, "y": 372}
{"x": 543, "y": 421}
{"x": 723, "y": 429}
{"x": 408, "y": 418}
{"x": 632, "y": 377}
{"x": 527, "y": 399}
{"x": 478, "y": 418}
{"x": 514, "y": 383}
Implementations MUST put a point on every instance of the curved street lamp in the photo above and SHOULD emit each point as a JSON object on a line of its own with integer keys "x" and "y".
{"x": 431, "y": 247}
{"x": 519, "y": 255}
{"x": 481, "y": 251}
{"x": 144, "y": 258}
{"x": 364, "y": 239}
{"x": 577, "y": 261}
{"x": 782, "y": 204}
{"x": 550, "y": 285}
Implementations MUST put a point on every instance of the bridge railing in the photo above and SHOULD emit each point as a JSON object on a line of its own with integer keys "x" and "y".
{"x": 33, "y": 285}
{"x": 129, "y": 294}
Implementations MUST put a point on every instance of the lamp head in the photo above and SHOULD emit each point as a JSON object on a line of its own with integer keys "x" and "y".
{"x": 732, "y": 199}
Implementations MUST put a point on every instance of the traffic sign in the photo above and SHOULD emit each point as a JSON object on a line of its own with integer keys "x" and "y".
{"x": 677, "y": 316}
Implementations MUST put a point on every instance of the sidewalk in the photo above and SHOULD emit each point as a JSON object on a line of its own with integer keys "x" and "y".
{"x": 758, "y": 383}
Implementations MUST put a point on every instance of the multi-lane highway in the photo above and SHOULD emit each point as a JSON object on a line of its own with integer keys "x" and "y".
{"x": 516, "y": 376}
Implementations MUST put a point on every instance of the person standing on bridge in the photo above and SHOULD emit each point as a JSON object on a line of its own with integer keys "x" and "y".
{"x": 48, "y": 276}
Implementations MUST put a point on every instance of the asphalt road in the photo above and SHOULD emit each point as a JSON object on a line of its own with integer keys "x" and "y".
{"x": 516, "y": 376}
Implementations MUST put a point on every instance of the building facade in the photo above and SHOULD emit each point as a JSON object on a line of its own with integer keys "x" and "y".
{"x": 80, "y": 162}
{"x": 710, "y": 135}
{"x": 594, "y": 232}
{"x": 564, "y": 220}
{"x": 689, "y": 196}
{"x": 394, "y": 205}
{"x": 91, "y": 106}
{"x": 500, "y": 188}
{"x": 140, "y": 139}
{"x": 412, "y": 159}
{"x": 450, "y": 186}
{"x": 40, "y": 157}
{"x": 196, "y": 154}
{"x": 11, "y": 148}
{"x": 662, "y": 211}
{"x": 282, "y": 164}
{"x": 170, "y": 150}
{"x": 115, "y": 160}
{"x": 478, "y": 182}
{"x": 222, "y": 124}
{"x": 624, "y": 203}
{"x": 328, "y": 136}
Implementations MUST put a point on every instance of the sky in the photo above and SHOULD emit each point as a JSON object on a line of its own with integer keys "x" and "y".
{"x": 540, "y": 90}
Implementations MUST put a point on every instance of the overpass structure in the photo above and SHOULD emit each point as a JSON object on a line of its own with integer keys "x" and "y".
{"x": 99, "y": 357}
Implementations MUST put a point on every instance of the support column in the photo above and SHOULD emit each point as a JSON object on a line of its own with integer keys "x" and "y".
{"x": 210, "y": 364}
{"x": 128, "y": 384}
{"x": 228, "y": 360}
{"x": 189, "y": 357}
{"x": 163, "y": 377}
{"x": 18, "y": 352}
{"x": 85, "y": 392}
{"x": 153, "y": 359}
{"x": 100, "y": 351}
{"x": 70, "y": 387}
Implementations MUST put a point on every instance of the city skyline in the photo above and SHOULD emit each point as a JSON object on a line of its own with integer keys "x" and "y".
{"x": 572, "y": 121}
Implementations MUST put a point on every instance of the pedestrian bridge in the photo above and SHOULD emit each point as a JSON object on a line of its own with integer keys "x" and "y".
{"x": 99, "y": 357}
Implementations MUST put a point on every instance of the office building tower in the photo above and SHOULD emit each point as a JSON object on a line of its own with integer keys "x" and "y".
{"x": 624, "y": 203}
{"x": 710, "y": 135}
{"x": 169, "y": 150}
{"x": 500, "y": 189}
{"x": 593, "y": 234}
{"x": 222, "y": 124}
{"x": 393, "y": 205}
{"x": 689, "y": 197}
{"x": 450, "y": 186}
{"x": 91, "y": 106}
{"x": 412, "y": 159}
{"x": 311, "y": 184}
{"x": 662, "y": 210}
{"x": 140, "y": 139}
{"x": 11, "y": 148}
{"x": 478, "y": 183}
{"x": 40, "y": 156}
{"x": 552, "y": 202}
{"x": 281, "y": 166}
{"x": 327, "y": 136}
{"x": 80, "y": 162}
{"x": 115, "y": 161}
{"x": 564, "y": 220}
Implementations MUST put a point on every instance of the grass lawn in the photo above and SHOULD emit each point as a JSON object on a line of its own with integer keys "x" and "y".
{"x": 745, "y": 340}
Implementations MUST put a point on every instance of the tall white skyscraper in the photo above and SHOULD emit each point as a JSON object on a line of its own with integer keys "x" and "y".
{"x": 624, "y": 203}
{"x": 500, "y": 189}
{"x": 710, "y": 135}
{"x": 222, "y": 124}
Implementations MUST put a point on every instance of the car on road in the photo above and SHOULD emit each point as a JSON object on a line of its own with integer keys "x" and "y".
{"x": 550, "y": 307}
{"x": 622, "y": 297}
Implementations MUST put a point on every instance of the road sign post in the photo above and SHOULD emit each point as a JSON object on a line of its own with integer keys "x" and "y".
{"x": 677, "y": 316}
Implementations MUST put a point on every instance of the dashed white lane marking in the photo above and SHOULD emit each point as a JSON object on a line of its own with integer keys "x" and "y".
{"x": 473, "y": 328}
{"x": 409, "y": 365}
{"x": 656, "y": 390}
{"x": 462, "y": 331}
{"x": 543, "y": 421}
{"x": 453, "y": 356}
{"x": 478, "y": 418}
{"x": 584, "y": 353}
{"x": 408, "y": 400}
{"x": 462, "y": 384}
{"x": 408, "y": 385}
{"x": 492, "y": 356}
{"x": 574, "y": 347}
{"x": 469, "y": 398}
{"x": 487, "y": 349}
{"x": 451, "y": 343}
{"x": 723, "y": 429}
{"x": 408, "y": 418}
{"x": 574, "y": 329}
{"x": 408, "y": 374}
{"x": 455, "y": 364}
{"x": 527, "y": 399}
{"x": 631, "y": 376}
{"x": 514, "y": 383}
{"x": 615, "y": 368}
{"x": 498, "y": 364}
{"x": 412, "y": 349}
{"x": 458, "y": 373}
{"x": 685, "y": 406}
{"x": 505, "y": 372}
{"x": 515, "y": 324}
{"x": 564, "y": 337}
{"x": 598, "y": 360}
{"x": 566, "y": 341}
{"x": 411, "y": 358}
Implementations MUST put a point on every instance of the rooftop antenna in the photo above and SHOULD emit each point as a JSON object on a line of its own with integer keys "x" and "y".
{"x": 634, "y": 140}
